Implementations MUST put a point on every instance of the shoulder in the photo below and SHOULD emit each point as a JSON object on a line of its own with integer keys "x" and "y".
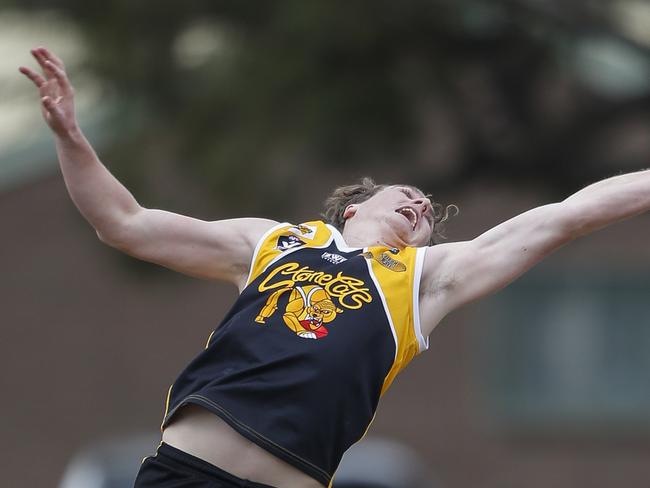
{"x": 437, "y": 268}
{"x": 250, "y": 228}
{"x": 282, "y": 239}
{"x": 440, "y": 281}
{"x": 310, "y": 232}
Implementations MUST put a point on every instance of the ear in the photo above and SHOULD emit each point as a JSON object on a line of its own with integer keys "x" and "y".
{"x": 349, "y": 211}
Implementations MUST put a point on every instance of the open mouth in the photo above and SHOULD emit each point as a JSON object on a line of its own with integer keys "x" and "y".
{"x": 410, "y": 214}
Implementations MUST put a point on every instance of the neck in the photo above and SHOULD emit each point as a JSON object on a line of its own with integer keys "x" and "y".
{"x": 367, "y": 234}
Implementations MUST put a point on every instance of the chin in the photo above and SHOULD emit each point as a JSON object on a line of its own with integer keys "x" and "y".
{"x": 418, "y": 240}
{"x": 402, "y": 234}
{"x": 422, "y": 242}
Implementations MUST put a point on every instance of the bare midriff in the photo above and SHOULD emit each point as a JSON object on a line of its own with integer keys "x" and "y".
{"x": 203, "y": 434}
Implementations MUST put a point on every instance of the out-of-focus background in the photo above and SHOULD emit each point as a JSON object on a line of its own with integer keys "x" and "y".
{"x": 231, "y": 108}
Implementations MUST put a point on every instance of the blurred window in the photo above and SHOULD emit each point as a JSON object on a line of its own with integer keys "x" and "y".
{"x": 572, "y": 353}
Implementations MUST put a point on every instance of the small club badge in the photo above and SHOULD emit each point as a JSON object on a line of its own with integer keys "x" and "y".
{"x": 386, "y": 260}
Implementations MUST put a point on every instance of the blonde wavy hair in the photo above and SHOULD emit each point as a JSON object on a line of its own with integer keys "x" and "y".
{"x": 343, "y": 196}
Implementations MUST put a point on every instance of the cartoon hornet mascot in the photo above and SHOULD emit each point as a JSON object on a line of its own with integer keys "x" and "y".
{"x": 309, "y": 308}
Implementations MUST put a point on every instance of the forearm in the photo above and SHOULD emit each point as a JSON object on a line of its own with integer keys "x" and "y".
{"x": 103, "y": 201}
{"x": 609, "y": 201}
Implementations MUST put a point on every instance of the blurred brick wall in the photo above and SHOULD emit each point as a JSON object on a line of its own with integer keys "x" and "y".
{"x": 89, "y": 348}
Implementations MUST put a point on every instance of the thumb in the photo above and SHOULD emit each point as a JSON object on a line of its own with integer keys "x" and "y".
{"x": 50, "y": 105}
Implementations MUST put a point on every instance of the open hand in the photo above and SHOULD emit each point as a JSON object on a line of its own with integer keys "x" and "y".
{"x": 57, "y": 94}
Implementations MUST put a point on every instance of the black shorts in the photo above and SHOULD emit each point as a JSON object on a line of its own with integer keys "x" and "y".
{"x": 173, "y": 468}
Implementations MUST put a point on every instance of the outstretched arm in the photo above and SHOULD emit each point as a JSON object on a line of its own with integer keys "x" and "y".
{"x": 214, "y": 250}
{"x": 457, "y": 273}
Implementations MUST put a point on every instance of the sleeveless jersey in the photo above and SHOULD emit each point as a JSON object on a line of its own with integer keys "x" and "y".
{"x": 317, "y": 336}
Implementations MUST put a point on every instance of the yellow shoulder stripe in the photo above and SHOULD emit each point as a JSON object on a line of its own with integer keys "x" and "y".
{"x": 284, "y": 238}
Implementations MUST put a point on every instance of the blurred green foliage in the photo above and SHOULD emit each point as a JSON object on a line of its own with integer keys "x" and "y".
{"x": 297, "y": 91}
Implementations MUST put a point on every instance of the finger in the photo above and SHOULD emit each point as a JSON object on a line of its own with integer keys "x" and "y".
{"x": 61, "y": 77}
{"x": 37, "y": 79}
{"x": 41, "y": 59}
{"x": 52, "y": 57}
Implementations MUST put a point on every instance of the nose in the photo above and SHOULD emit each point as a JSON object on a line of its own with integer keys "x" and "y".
{"x": 424, "y": 202}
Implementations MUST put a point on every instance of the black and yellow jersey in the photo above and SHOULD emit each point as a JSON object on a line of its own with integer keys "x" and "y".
{"x": 317, "y": 336}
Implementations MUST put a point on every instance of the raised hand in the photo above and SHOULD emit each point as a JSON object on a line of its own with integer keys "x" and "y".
{"x": 57, "y": 94}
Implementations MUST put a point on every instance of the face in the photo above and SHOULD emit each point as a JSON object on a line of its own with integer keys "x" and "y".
{"x": 403, "y": 213}
{"x": 324, "y": 311}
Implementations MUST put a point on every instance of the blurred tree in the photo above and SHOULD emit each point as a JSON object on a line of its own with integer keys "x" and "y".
{"x": 275, "y": 95}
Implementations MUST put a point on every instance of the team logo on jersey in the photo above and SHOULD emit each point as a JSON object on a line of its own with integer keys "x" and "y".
{"x": 288, "y": 242}
{"x": 385, "y": 260}
{"x": 309, "y": 308}
{"x": 304, "y": 231}
{"x": 315, "y": 298}
{"x": 333, "y": 258}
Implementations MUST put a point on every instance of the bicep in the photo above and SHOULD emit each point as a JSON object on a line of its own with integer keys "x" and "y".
{"x": 219, "y": 249}
{"x": 458, "y": 273}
